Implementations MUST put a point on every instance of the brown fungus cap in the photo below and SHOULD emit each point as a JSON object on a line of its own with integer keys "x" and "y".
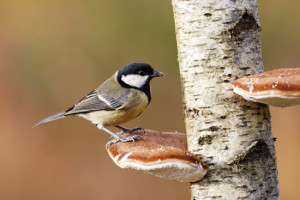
{"x": 280, "y": 87}
{"x": 163, "y": 154}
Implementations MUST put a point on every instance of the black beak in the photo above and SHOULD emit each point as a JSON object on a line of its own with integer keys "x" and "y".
{"x": 157, "y": 74}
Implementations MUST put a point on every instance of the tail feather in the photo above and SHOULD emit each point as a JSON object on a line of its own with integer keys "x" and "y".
{"x": 51, "y": 118}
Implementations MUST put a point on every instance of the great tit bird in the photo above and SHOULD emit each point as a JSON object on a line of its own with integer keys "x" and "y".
{"x": 119, "y": 99}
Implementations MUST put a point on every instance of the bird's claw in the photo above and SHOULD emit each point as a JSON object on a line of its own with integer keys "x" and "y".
{"x": 132, "y": 130}
{"x": 123, "y": 139}
{"x": 130, "y": 138}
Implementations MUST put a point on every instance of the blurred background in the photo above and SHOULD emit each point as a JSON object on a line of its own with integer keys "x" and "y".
{"x": 47, "y": 47}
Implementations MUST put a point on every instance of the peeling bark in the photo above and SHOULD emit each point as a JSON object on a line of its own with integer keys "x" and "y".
{"x": 218, "y": 42}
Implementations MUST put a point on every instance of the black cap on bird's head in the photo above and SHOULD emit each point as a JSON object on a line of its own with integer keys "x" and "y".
{"x": 137, "y": 75}
{"x": 139, "y": 69}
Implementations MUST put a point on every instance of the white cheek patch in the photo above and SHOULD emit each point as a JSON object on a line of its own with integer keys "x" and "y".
{"x": 135, "y": 80}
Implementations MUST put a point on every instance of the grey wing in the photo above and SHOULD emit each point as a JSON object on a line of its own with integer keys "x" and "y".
{"x": 95, "y": 102}
{"x": 112, "y": 93}
{"x": 89, "y": 103}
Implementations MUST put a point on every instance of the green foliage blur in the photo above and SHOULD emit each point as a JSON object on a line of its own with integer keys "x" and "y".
{"x": 52, "y": 53}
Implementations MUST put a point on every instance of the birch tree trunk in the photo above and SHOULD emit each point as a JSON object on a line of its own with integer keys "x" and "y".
{"x": 219, "y": 41}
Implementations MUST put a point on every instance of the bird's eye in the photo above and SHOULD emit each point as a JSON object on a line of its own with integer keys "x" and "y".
{"x": 142, "y": 73}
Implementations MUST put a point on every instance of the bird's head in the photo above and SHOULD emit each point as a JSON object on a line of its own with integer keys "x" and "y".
{"x": 137, "y": 75}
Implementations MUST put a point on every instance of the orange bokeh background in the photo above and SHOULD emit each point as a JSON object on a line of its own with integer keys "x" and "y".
{"x": 54, "y": 52}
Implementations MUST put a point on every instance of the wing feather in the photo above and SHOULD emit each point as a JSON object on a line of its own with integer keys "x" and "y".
{"x": 107, "y": 97}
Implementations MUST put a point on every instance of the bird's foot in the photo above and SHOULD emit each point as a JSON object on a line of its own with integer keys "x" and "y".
{"x": 132, "y": 130}
{"x": 123, "y": 139}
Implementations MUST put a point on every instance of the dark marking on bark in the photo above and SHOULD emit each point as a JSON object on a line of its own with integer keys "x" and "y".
{"x": 207, "y": 139}
{"x": 213, "y": 128}
{"x": 192, "y": 112}
{"x": 243, "y": 27}
{"x": 256, "y": 114}
{"x": 216, "y": 197}
{"x": 207, "y": 14}
{"x": 250, "y": 106}
{"x": 228, "y": 22}
{"x": 257, "y": 150}
{"x": 244, "y": 68}
{"x": 223, "y": 116}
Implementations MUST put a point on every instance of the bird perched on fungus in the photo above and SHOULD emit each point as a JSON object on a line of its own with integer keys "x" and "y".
{"x": 280, "y": 87}
{"x": 162, "y": 154}
{"x": 119, "y": 99}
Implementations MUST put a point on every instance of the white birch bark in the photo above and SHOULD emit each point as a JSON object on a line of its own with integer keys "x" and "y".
{"x": 219, "y": 41}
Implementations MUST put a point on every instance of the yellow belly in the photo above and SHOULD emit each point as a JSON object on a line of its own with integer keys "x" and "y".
{"x": 127, "y": 112}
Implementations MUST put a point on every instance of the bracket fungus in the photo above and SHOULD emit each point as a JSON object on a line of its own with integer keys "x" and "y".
{"x": 280, "y": 87}
{"x": 163, "y": 154}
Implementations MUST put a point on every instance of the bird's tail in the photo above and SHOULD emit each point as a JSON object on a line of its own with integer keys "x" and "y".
{"x": 51, "y": 118}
